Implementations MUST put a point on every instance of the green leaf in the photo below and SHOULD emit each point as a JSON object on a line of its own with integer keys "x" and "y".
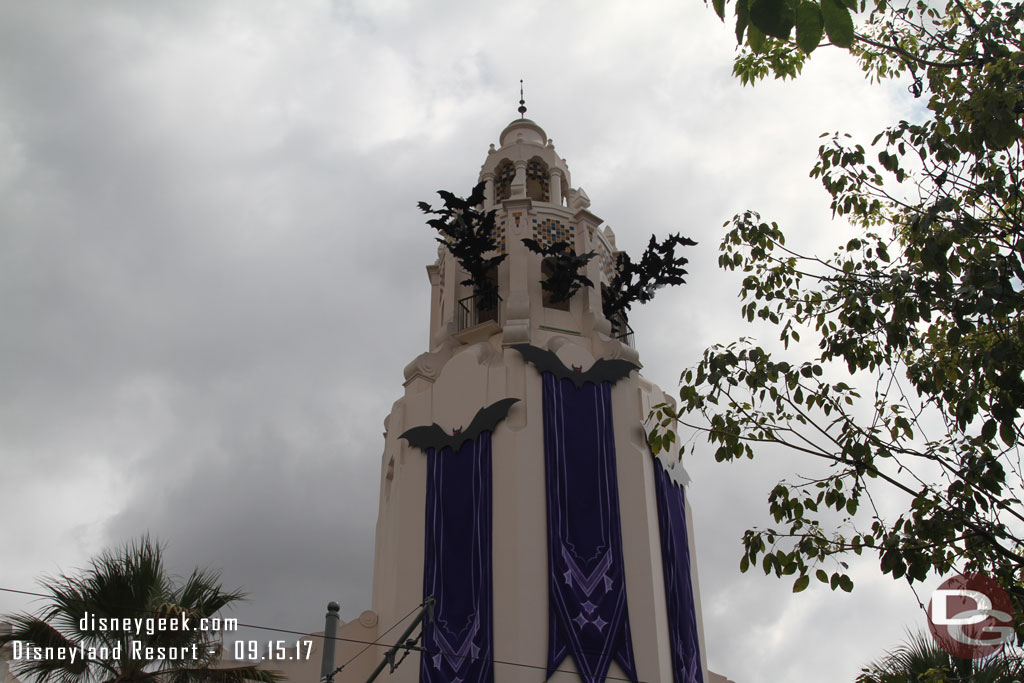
{"x": 755, "y": 39}
{"x": 801, "y": 583}
{"x": 719, "y": 6}
{"x": 838, "y": 23}
{"x": 742, "y": 10}
{"x": 773, "y": 17}
{"x": 1007, "y": 433}
{"x": 744, "y": 564}
{"x": 846, "y": 583}
{"x": 809, "y": 26}
{"x": 822, "y": 576}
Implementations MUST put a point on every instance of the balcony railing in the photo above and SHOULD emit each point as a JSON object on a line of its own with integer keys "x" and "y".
{"x": 476, "y": 309}
{"x": 623, "y": 332}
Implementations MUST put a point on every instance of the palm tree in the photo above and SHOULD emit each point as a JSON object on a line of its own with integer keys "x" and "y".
{"x": 103, "y": 626}
{"x": 920, "y": 660}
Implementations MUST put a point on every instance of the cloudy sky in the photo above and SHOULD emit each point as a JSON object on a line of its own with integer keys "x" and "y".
{"x": 212, "y": 271}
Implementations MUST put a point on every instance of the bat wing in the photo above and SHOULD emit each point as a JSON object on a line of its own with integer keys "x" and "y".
{"x": 545, "y": 361}
{"x": 486, "y": 419}
{"x": 601, "y": 371}
{"x": 533, "y": 245}
{"x": 427, "y": 437}
{"x": 609, "y": 370}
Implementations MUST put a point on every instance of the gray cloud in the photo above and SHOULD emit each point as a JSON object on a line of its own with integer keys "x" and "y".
{"x": 211, "y": 271}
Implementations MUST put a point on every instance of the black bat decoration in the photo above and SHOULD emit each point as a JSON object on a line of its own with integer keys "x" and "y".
{"x": 601, "y": 371}
{"x": 565, "y": 278}
{"x": 485, "y": 420}
{"x": 637, "y": 282}
{"x": 468, "y": 233}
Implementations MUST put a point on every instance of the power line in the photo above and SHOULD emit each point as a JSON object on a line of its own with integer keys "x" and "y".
{"x": 367, "y": 643}
{"x": 240, "y": 624}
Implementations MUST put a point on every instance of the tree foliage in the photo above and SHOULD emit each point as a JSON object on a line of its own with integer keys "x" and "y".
{"x": 902, "y": 352}
{"x": 920, "y": 659}
{"x": 130, "y": 583}
{"x": 468, "y": 233}
{"x": 565, "y": 278}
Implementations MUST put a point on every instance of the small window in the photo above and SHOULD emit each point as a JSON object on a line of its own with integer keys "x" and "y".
{"x": 503, "y": 178}
{"x": 547, "y": 269}
{"x": 487, "y": 307}
{"x": 537, "y": 181}
{"x": 389, "y": 477}
{"x": 479, "y": 307}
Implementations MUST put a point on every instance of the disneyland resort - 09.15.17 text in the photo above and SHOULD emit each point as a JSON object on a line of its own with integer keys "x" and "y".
{"x": 136, "y": 649}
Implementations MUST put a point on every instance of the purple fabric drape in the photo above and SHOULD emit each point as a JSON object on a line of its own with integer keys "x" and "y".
{"x": 675, "y": 560}
{"x": 587, "y": 616}
{"x": 459, "y": 645}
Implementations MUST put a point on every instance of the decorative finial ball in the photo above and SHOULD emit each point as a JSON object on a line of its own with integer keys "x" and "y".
{"x": 333, "y": 606}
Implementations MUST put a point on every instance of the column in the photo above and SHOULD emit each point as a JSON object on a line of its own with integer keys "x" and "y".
{"x": 519, "y": 182}
{"x": 488, "y": 191}
{"x": 555, "y": 186}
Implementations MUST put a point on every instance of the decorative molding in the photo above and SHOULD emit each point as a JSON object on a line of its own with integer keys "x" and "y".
{"x": 552, "y": 328}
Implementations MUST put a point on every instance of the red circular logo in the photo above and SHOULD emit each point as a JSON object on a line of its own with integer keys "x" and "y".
{"x": 970, "y": 616}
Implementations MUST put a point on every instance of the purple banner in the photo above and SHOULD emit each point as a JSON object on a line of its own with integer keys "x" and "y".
{"x": 587, "y": 617}
{"x": 459, "y": 646}
{"x": 675, "y": 560}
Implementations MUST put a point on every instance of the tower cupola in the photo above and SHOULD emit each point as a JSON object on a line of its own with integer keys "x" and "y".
{"x": 523, "y": 130}
{"x": 528, "y": 187}
{"x": 525, "y": 166}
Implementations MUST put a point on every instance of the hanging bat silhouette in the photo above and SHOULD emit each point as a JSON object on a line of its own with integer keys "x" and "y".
{"x": 601, "y": 371}
{"x": 485, "y": 420}
{"x": 636, "y": 282}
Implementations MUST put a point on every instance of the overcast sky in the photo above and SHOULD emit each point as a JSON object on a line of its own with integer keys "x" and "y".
{"x": 212, "y": 272}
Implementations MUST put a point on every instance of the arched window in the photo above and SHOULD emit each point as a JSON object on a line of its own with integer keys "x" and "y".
{"x": 487, "y": 305}
{"x": 503, "y": 178}
{"x": 547, "y": 270}
{"x": 537, "y": 186}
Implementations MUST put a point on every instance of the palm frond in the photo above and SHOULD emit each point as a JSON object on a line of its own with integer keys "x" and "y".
{"x": 202, "y": 595}
{"x": 128, "y": 583}
{"x": 37, "y": 636}
{"x": 921, "y": 659}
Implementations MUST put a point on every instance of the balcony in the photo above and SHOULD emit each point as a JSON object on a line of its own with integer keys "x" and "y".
{"x": 623, "y": 332}
{"x": 476, "y": 317}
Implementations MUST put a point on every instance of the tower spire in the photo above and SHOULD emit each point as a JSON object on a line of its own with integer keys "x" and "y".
{"x": 522, "y": 102}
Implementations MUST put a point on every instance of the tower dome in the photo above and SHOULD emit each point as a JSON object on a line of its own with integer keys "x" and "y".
{"x": 523, "y": 130}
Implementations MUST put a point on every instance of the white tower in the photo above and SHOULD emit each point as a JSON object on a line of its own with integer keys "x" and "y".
{"x": 470, "y": 364}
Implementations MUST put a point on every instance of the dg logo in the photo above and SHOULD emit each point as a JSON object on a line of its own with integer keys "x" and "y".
{"x": 971, "y": 616}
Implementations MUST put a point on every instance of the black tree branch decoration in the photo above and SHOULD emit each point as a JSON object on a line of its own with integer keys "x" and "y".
{"x": 565, "y": 278}
{"x": 468, "y": 233}
{"x": 636, "y": 282}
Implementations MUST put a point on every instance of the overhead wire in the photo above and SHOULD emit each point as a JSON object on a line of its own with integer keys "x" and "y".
{"x": 370, "y": 644}
{"x": 239, "y": 623}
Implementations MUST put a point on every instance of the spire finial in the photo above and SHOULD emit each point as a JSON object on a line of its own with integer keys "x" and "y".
{"x": 522, "y": 102}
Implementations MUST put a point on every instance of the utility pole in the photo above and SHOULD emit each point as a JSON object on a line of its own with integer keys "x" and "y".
{"x": 330, "y": 637}
{"x": 404, "y": 642}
